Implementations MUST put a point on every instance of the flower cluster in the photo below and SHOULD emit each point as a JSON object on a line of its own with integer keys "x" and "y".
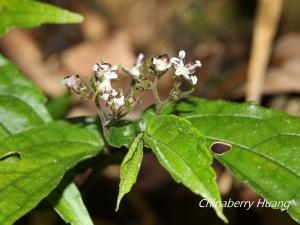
{"x": 145, "y": 76}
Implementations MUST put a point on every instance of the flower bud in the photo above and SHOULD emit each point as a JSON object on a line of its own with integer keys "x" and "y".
{"x": 161, "y": 63}
{"x": 135, "y": 70}
{"x": 73, "y": 83}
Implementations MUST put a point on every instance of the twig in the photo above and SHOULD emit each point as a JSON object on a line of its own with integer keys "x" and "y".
{"x": 266, "y": 23}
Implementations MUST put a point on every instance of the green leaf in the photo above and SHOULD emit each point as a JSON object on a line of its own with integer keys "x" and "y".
{"x": 265, "y": 145}
{"x": 68, "y": 204}
{"x": 21, "y": 108}
{"x": 122, "y": 133}
{"x": 167, "y": 108}
{"x": 21, "y": 103}
{"x": 30, "y": 13}
{"x": 182, "y": 151}
{"x": 59, "y": 107}
{"x": 91, "y": 123}
{"x": 33, "y": 162}
{"x": 130, "y": 167}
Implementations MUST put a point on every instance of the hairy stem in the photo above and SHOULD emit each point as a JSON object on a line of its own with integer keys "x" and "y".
{"x": 183, "y": 94}
{"x": 103, "y": 120}
{"x": 158, "y": 102}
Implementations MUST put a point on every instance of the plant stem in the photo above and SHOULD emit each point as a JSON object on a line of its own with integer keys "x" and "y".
{"x": 187, "y": 92}
{"x": 158, "y": 102}
{"x": 102, "y": 119}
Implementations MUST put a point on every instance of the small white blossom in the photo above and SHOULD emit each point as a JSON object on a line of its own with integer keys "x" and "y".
{"x": 182, "y": 54}
{"x": 135, "y": 70}
{"x": 106, "y": 71}
{"x": 161, "y": 63}
{"x": 72, "y": 82}
{"x": 112, "y": 97}
{"x": 194, "y": 80}
{"x": 104, "y": 86}
{"x": 114, "y": 93}
{"x": 119, "y": 101}
{"x": 109, "y": 94}
{"x": 185, "y": 70}
{"x": 116, "y": 102}
{"x": 96, "y": 67}
{"x": 105, "y": 96}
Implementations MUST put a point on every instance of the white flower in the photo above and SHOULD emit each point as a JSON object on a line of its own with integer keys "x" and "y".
{"x": 116, "y": 101}
{"x": 161, "y": 63}
{"x": 106, "y": 71}
{"x": 182, "y": 54}
{"x": 194, "y": 80}
{"x": 114, "y": 93}
{"x": 107, "y": 93}
{"x": 104, "y": 86}
{"x": 119, "y": 101}
{"x": 105, "y": 96}
{"x": 135, "y": 70}
{"x": 185, "y": 70}
{"x": 96, "y": 67}
{"x": 72, "y": 81}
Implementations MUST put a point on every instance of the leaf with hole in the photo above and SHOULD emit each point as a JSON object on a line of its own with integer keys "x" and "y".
{"x": 22, "y": 108}
{"x": 265, "y": 145}
{"x": 46, "y": 153}
{"x": 182, "y": 150}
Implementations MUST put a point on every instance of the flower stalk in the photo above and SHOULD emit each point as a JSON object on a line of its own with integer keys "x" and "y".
{"x": 103, "y": 120}
{"x": 158, "y": 102}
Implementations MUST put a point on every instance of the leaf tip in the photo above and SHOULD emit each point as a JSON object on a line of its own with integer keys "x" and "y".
{"x": 118, "y": 204}
{"x": 78, "y": 18}
{"x": 220, "y": 214}
{"x": 224, "y": 218}
{"x": 74, "y": 17}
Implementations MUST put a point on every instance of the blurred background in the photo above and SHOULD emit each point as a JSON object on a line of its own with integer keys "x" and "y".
{"x": 250, "y": 50}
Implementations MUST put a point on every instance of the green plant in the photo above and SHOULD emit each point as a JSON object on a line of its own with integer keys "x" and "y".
{"x": 37, "y": 153}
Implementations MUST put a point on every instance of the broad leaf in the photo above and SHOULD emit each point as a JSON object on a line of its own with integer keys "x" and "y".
{"x": 21, "y": 103}
{"x": 122, "y": 133}
{"x": 182, "y": 151}
{"x": 69, "y": 205}
{"x": 33, "y": 162}
{"x": 265, "y": 145}
{"x": 21, "y": 108}
{"x": 30, "y": 13}
{"x": 130, "y": 167}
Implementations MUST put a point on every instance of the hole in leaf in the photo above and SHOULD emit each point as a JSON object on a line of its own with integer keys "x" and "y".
{"x": 220, "y": 147}
{"x": 11, "y": 157}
